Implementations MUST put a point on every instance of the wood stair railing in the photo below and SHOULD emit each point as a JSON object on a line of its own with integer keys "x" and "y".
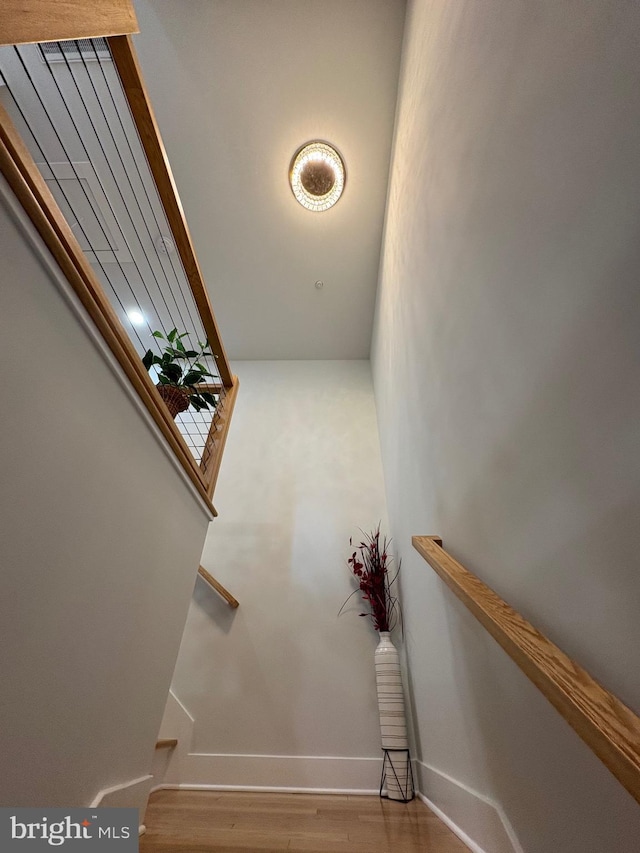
{"x": 603, "y": 722}
{"x": 231, "y": 601}
{"x": 35, "y": 21}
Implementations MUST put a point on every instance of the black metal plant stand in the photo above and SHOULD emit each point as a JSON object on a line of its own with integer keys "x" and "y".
{"x": 388, "y": 769}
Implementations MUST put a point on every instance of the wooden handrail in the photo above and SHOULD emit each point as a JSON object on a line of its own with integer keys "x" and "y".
{"x": 167, "y": 743}
{"x": 26, "y": 181}
{"x": 25, "y": 21}
{"x": 125, "y": 59}
{"x": 603, "y": 722}
{"x": 231, "y": 601}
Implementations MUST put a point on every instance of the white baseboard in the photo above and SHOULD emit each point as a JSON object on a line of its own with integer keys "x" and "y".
{"x": 266, "y": 790}
{"x": 319, "y": 774}
{"x": 282, "y": 773}
{"x": 129, "y": 794}
{"x": 477, "y": 821}
{"x": 176, "y": 719}
{"x": 133, "y": 794}
{"x": 470, "y": 843}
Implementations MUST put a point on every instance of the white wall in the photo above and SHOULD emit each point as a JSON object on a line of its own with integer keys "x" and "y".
{"x": 282, "y": 675}
{"x": 101, "y": 539}
{"x": 506, "y": 364}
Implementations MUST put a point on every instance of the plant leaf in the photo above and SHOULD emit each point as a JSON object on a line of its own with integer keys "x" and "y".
{"x": 173, "y": 371}
{"x": 209, "y": 398}
{"x": 147, "y": 359}
{"x": 192, "y": 377}
{"x": 158, "y": 335}
{"x": 171, "y": 336}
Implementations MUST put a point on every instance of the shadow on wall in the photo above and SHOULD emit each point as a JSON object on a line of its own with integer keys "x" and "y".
{"x": 546, "y": 750}
{"x": 213, "y": 605}
{"x": 241, "y": 693}
{"x": 542, "y": 501}
{"x": 551, "y": 510}
{"x": 284, "y": 677}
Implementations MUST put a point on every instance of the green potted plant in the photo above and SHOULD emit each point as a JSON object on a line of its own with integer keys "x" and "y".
{"x": 180, "y": 371}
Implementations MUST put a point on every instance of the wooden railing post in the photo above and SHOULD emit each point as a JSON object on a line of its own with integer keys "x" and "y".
{"x": 217, "y": 438}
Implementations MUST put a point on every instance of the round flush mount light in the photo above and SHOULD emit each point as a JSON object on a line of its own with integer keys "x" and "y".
{"x": 317, "y": 176}
{"x": 136, "y": 317}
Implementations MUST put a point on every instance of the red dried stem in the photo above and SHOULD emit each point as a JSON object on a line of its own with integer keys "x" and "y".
{"x": 370, "y": 564}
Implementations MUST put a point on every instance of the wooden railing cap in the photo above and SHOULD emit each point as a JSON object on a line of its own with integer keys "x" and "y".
{"x": 30, "y": 21}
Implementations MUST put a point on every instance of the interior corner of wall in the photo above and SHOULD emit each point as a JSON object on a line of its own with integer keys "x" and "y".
{"x": 178, "y": 723}
{"x": 478, "y": 822}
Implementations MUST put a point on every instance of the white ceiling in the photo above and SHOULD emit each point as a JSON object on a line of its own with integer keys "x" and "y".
{"x": 238, "y": 86}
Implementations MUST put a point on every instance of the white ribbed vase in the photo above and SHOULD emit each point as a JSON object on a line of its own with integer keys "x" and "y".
{"x": 393, "y": 723}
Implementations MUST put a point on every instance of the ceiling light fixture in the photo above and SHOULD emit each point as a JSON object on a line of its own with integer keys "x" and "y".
{"x": 317, "y": 176}
{"x": 136, "y": 317}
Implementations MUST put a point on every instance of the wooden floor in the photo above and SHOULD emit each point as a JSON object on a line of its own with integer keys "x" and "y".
{"x": 213, "y": 822}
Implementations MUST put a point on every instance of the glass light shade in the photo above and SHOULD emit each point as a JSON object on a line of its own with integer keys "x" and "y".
{"x": 136, "y": 317}
{"x": 317, "y": 176}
